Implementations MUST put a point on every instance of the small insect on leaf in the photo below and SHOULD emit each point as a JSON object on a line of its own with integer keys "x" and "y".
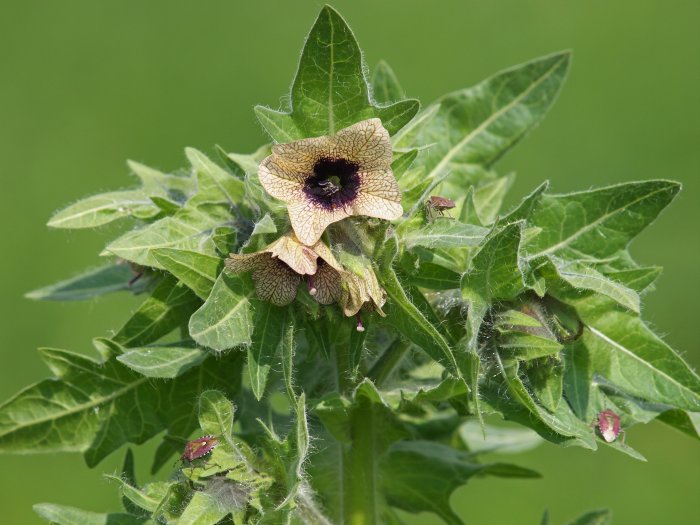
{"x": 436, "y": 206}
{"x": 609, "y": 425}
{"x": 198, "y": 448}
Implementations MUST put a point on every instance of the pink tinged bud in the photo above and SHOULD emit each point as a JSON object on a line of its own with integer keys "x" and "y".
{"x": 609, "y": 425}
{"x": 199, "y": 448}
{"x": 360, "y": 328}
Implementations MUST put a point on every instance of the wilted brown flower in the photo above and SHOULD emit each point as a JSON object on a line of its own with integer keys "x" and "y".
{"x": 326, "y": 179}
{"x": 278, "y": 269}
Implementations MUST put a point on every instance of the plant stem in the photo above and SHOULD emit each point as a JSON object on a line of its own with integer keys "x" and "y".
{"x": 386, "y": 363}
{"x": 359, "y": 471}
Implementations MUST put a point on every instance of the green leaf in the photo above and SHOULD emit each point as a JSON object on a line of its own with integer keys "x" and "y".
{"x": 489, "y": 118}
{"x": 420, "y": 476}
{"x": 203, "y": 509}
{"x": 597, "y": 223}
{"x": 435, "y": 277}
{"x": 104, "y": 208}
{"x": 224, "y": 321}
{"x": 215, "y": 413}
{"x": 583, "y": 277}
{"x": 488, "y": 198}
{"x": 96, "y": 407}
{"x": 545, "y": 377}
{"x": 617, "y": 345}
{"x": 495, "y": 271}
{"x": 686, "y": 422}
{"x": 128, "y": 476}
{"x": 195, "y": 270}
{"x": 527, "y": 347}
{"x": 408, "y": 319}
{"x": 638, "y": 279}
{"x": 562, "y": 422}
{"x": 156, "y": 183}
{"x": 445, "y": 234}
{"x": 62, "y": 515}
{"x": 231, "y": 187}
{"x": 402, "y": 162}
{"x": 330, "y": 90}
{"x": 385, "y": 85}
{"x": 268, "y": 330}
{"x": 523, "y": 210}
{"x": 504, "y": 440}
{"x": 166, "y": 362}
{"x": 92, "y": 283}
{"x": 150, "y": 498}
{"x": 192, "y": 226}
{"x": 168, "y": 308}
{"x": 596, "y": 517}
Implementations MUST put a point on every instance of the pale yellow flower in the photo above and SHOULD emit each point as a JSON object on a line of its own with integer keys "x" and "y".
{"x": 326, "y": 179}
{"x": 279, "y": 268}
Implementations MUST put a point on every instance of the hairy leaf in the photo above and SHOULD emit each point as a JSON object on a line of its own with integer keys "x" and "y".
{"x": 618, "y": 346}
{"x": 203, "y": 509}
{"x": 195, "y": 270}
{"x": 225, "y": 320}
{"x": 169, "y": 307}
{"x": 96, "y": 407}
{"x": 445, "y": 234}
{"x": 163, "y": 361}
{"x": 385, "y": 86}
{"x": 268, "y": 330}
{"x": 330, "y": 90}
{"x": 63, "y": 515}
{"x": 478, "y": 125}
{"x": 420, "y": 476}
{"x": 191, "y": 227}
{"x": 597, "y": 223}
{"x": 408, "y": 318}
{"x": 104, "y": 208}
{"x": 92, "y": 283}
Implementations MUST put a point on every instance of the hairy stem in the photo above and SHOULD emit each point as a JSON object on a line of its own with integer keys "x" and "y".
{"x": 359, "y": 472}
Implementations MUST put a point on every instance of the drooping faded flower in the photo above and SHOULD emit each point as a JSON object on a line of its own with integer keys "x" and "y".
{"x": 279, "y": 268}
{"x": 326, "y": 179}
{"x": 359, "y": 289}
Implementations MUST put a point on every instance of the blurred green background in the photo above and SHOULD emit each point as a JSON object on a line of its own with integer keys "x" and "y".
{"x": 86, "y": 85}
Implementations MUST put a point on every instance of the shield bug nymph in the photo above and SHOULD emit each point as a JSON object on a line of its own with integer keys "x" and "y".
{"x": 608, "y": 423}
{"x": 436, "y": 206}
{"x": 198, "y": 448}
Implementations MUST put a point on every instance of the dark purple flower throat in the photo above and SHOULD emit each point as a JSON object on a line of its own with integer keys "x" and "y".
{"x": 333, "y": 184}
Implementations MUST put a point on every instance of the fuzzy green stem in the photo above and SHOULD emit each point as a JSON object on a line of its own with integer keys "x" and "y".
{"x": 359, "y": 473}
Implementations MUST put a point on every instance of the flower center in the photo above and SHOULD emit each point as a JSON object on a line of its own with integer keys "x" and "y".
{"x": 334, "y": 182}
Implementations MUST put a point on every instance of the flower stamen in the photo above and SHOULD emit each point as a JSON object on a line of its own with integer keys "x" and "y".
{"x": 334, "y": 182}
{"x": 312, "y": 287}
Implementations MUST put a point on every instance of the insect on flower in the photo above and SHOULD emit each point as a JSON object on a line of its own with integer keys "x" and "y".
{"x": 608, "y": 423}
{"x": 437, "y": 206}
{"x": 199, "y": 448}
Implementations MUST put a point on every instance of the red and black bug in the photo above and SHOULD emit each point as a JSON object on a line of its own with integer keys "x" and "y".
{"x": 608, "y": 423}
{"x": 437, "y": 206}
{"x": 198, "y": 448}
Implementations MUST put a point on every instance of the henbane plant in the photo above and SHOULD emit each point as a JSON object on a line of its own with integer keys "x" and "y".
{"x": 334, "y": 326}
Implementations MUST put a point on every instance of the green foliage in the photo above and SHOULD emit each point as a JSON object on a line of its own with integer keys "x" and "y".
{"x": 467, "y": 315}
